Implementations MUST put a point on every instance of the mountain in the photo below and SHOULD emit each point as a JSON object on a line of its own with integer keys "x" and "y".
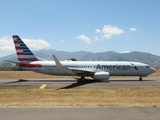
{"x": 150, "y": 59}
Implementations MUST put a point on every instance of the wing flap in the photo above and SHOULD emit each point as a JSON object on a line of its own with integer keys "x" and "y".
{"x": 81, "y": 71}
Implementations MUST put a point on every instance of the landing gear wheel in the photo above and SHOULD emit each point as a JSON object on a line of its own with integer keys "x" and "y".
{"x": 83, "y": 78}
{"x": 140, "y": 79}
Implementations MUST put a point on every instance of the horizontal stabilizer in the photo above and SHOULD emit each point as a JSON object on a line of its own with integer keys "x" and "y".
{"x": 41, "y": 59}
{"x": 15, "y": 62}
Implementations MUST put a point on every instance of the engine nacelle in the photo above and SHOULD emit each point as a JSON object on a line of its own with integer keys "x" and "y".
{"x": 101, "y": 76}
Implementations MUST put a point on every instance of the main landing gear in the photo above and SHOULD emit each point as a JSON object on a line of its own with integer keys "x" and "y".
{"x": 82, "y": 79}
{"x": 140, "y": 79}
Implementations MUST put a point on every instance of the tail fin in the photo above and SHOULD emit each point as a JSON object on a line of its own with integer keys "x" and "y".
{"x": 23, "y": 52}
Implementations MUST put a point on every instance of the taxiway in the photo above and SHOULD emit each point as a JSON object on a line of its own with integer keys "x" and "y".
{"x": 110, "y": 113}
{"x": 128, "y": 82}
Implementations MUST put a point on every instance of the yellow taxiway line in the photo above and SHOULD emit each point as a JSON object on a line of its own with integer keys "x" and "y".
{"x": 43, "y": 86}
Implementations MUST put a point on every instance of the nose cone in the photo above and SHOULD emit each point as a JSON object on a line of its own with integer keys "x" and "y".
{"x": 152, "y": 70}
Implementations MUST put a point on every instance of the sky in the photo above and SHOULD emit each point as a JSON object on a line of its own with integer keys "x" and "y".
{"x": 122, "y": 26}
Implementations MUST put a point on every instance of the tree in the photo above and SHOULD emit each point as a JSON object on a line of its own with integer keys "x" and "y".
{"x": 7, "y": 65}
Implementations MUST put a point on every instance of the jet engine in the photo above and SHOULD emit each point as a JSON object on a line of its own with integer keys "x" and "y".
{"x": 101, "y": 76}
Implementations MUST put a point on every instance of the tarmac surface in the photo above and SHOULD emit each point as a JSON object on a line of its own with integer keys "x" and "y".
{"x": 80, "y": 113}
{"x": 108, "y": 113}
{"x": 126, "y": 82}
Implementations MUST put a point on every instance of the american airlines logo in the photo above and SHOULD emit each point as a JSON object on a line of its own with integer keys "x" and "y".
{"x": 133, "y": 66}
{"x": 113, "y": 67}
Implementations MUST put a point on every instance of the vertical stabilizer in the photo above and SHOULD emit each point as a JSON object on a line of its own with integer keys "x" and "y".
{"x": 23, "y": 52}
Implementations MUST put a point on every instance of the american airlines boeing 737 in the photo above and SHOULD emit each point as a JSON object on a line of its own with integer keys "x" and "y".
{"x": 98, "y": 70}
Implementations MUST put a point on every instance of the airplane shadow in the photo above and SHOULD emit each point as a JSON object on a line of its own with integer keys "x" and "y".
{"x": 39, "y": 81}
{"x": 74, "y": 84}
{"x": 77, "y": 84}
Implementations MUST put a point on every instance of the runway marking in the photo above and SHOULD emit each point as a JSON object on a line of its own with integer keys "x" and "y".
{"x": 43, "y": 86}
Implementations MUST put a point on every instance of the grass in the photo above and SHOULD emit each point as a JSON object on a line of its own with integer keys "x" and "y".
{"x": 81, "y": 98}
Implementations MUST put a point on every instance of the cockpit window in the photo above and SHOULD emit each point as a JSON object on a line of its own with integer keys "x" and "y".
{"x": 147, "y": 66}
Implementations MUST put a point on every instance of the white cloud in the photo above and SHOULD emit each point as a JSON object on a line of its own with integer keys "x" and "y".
{"x": 36, "y": 43}
{"x": 125, "y": 52}
{"x": 6, "y": 44}
{"x": 85, "y": 39}
{"x": 107, "y": 36}
{"x": 97, "y": 31}
{"x": 96, "y": 38}
{"x": 133, "y": 29}
{"x": 109, "y": 31}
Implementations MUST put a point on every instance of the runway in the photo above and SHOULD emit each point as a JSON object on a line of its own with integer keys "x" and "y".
{"x": 79, "y": 113}
{"x": 126, "y": 82}
{"x": 110, "y": 113}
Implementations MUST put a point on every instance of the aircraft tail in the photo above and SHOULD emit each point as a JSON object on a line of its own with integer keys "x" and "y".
{"x": 24, "y": 54}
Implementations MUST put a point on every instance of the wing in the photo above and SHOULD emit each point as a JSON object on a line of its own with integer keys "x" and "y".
{"x": 75, "y": 71}
{"x": 81, "y": 72}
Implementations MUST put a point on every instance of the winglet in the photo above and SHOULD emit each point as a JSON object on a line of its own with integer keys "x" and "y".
{"x": 59, "y": 65}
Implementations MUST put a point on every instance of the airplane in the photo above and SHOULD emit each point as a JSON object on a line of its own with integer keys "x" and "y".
{"x": 98, "y": 70}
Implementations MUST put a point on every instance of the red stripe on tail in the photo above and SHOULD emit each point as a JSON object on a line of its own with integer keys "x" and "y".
{"x": 15, "y": 41}
{"x": 14, "y": 36}
{"x": 18, "y": 48}
{"x": 31, "y": 65}
{"x": 27, "y": 59}
{"x": 20, "y": 53}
